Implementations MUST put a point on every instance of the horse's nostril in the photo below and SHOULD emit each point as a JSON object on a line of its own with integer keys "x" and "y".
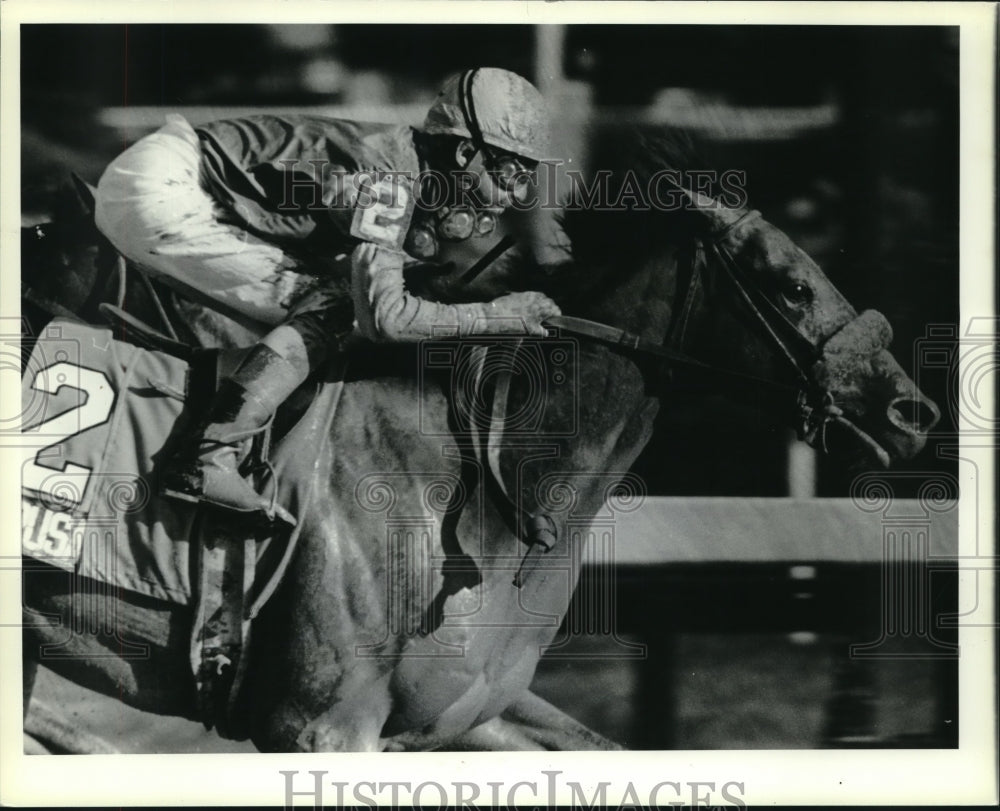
{"x": 918, "y": 415}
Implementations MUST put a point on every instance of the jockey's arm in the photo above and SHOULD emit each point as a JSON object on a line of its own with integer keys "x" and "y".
{"x": 385, "y": 311}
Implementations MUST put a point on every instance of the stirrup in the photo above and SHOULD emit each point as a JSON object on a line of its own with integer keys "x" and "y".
{"x": 275, "y": 514}
{"x": 195, "y": 494}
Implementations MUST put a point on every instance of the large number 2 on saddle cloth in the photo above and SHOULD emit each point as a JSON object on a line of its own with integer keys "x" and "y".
{"x": 98, "y": 415}
{"x": 93, "y": 427}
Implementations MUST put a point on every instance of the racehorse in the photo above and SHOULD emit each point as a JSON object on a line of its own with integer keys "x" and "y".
{"x": 382, "y": 641}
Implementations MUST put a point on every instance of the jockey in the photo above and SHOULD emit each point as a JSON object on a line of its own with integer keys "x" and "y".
{"x": 241, "y": 209}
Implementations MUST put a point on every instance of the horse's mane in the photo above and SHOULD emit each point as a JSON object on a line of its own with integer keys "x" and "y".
{"x": 631, "y": 159}
{"x": 615, "y": 238}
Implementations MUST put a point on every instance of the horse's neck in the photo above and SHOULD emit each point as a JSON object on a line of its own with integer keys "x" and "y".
{"x": 642, "y": 302}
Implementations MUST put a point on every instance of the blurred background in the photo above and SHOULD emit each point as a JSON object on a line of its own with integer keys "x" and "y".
{"x": 849, "y": 140}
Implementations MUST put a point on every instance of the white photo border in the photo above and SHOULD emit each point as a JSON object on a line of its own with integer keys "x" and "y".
{"x": 965, "y": 775}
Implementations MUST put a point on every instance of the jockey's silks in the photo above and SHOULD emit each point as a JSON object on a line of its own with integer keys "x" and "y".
{"x": 285, "y": 177}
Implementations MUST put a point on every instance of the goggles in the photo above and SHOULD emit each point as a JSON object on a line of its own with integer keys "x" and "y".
{"x": 508, "y": 171}
{"x": 448, "y": 225}
{"x": 458, "y": 224}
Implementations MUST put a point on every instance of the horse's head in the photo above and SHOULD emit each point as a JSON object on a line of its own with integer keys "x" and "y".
{"x": 756, "y": 303}
{"x": 725, "y": 287}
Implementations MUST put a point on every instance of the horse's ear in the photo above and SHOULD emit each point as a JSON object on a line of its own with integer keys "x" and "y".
{"x": 716, "y": 216}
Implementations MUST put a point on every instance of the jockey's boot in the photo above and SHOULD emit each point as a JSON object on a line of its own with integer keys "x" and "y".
{"x": 206, "y": 469}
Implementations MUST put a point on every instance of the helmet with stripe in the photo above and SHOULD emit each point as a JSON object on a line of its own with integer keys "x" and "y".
{"x": 494, "y": 108}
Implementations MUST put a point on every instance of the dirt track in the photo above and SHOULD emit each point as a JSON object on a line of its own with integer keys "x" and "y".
{"x": 732, "y": 692}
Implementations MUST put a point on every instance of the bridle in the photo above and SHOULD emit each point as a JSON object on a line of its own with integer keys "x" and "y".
{"x": 815, "y": 405}
{"x": 798, "y": 350}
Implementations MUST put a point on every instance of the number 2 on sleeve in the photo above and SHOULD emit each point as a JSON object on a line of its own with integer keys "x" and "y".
{"x": 384, "y": 221}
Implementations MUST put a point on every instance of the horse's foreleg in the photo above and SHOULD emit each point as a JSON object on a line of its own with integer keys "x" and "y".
{"x": 29, "y": 667}
{"x": 530, "y": 724}
{"x": 550, "y": 728}
{"x": 495, "y": 735}
{"x": 56, "y": 734}
{"x": 45, "y": 731}
{"x": 340, "y": 731}
{"x": 352, "y": 724}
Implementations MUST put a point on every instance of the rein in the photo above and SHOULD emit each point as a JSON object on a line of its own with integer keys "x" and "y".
{"x": 630, "y": 342}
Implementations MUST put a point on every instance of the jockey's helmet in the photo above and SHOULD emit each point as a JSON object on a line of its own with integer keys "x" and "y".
{"x": 494, "y": 108}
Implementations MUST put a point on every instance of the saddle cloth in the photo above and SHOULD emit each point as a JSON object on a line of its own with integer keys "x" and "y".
{"x": 98, "y": 416}
{"x": 93, "y": 427}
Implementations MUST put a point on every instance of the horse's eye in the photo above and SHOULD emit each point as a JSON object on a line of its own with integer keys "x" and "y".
{"x": 796, "y": 294}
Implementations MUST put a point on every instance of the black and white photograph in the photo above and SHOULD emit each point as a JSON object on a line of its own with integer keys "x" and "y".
{"x": 600, "y": 400}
